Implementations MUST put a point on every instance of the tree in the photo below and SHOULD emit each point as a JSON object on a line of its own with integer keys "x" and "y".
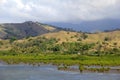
{"x": 56, "y": 48}
{"x": 107, "y": 39}
{"x": 84, "y": 36}
{"x": 99, "y": 49}
{"x": 12, "y": 39}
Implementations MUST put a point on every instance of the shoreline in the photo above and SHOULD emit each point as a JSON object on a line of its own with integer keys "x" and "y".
{"x": 73, "y": 62}
{"x": 90, "y": 71}
{"x": 73, "y": 68}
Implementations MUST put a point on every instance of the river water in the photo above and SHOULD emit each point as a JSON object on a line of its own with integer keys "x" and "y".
{"x": 49, "y": 72}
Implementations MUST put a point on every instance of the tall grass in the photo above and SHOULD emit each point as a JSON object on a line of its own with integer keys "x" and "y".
{"x": 57, "y": 59}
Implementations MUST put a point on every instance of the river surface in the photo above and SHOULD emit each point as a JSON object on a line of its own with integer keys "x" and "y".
{"x": 49, "y": 72}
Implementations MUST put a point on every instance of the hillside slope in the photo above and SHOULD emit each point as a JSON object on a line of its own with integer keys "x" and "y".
{"x": 70, "y": 42}
{"x": 23, "y": 30}
{"x": 37, "y": 37}
{"x": 66, "y": 42}
{"x": 111, "y": 38}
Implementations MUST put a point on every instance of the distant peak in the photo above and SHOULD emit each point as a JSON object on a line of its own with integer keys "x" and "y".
{"x": 32, "y": 22}
{"x": 29, "y": 22}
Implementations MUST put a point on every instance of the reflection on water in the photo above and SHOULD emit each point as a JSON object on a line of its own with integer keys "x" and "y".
{"x": 49, "y": 72}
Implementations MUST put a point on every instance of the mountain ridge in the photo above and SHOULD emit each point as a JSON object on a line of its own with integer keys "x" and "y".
{"x": 32, "y": 29}
{"x": 23, "y": 30}
{"x": 90, "y": 26}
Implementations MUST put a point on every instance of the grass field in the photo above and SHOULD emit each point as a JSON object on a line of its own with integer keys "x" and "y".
{"x": 58, "y": 59}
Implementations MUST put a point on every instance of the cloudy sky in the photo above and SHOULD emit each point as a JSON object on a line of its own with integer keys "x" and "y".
{"x": 58, "y": 10}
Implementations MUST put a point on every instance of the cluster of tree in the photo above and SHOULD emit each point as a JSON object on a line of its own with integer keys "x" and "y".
{"x": 44, "y": 45}
{"x": 33, "y": 45}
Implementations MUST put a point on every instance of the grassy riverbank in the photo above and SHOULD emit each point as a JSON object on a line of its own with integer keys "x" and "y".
{"x": 57, "y": 59}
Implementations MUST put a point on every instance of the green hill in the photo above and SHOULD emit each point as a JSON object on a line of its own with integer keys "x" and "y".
{"x": 70, "y": 42}
{"x": 35, "y": 37}
{"x": 23, "y": 30}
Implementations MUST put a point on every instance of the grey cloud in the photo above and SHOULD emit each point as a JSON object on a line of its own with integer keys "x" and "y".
{"x": 58, "y": 10}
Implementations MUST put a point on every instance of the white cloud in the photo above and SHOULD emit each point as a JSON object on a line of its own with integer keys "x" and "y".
{"x": 2, "y": 1}
{"x": 58, "y": 10}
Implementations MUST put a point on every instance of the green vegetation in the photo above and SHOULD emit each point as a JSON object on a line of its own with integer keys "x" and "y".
{"x": 43, "y": 50}
{"x": 12, "y": 39}
{"x": 102, "y": 69}
{"x": 46, "y": 46}
{"x": 64, "y": 49}
{"x": 81, "y": 68}
{"x": 58, "y": 59}
{"x": 84, "y": 36}
{"x": 65, "y": 60}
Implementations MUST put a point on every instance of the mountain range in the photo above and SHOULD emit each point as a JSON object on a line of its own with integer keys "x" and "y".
{"x": 35, "y": 31}
{"x": 90, "y": 26}
{"x": 32, "y": 29}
